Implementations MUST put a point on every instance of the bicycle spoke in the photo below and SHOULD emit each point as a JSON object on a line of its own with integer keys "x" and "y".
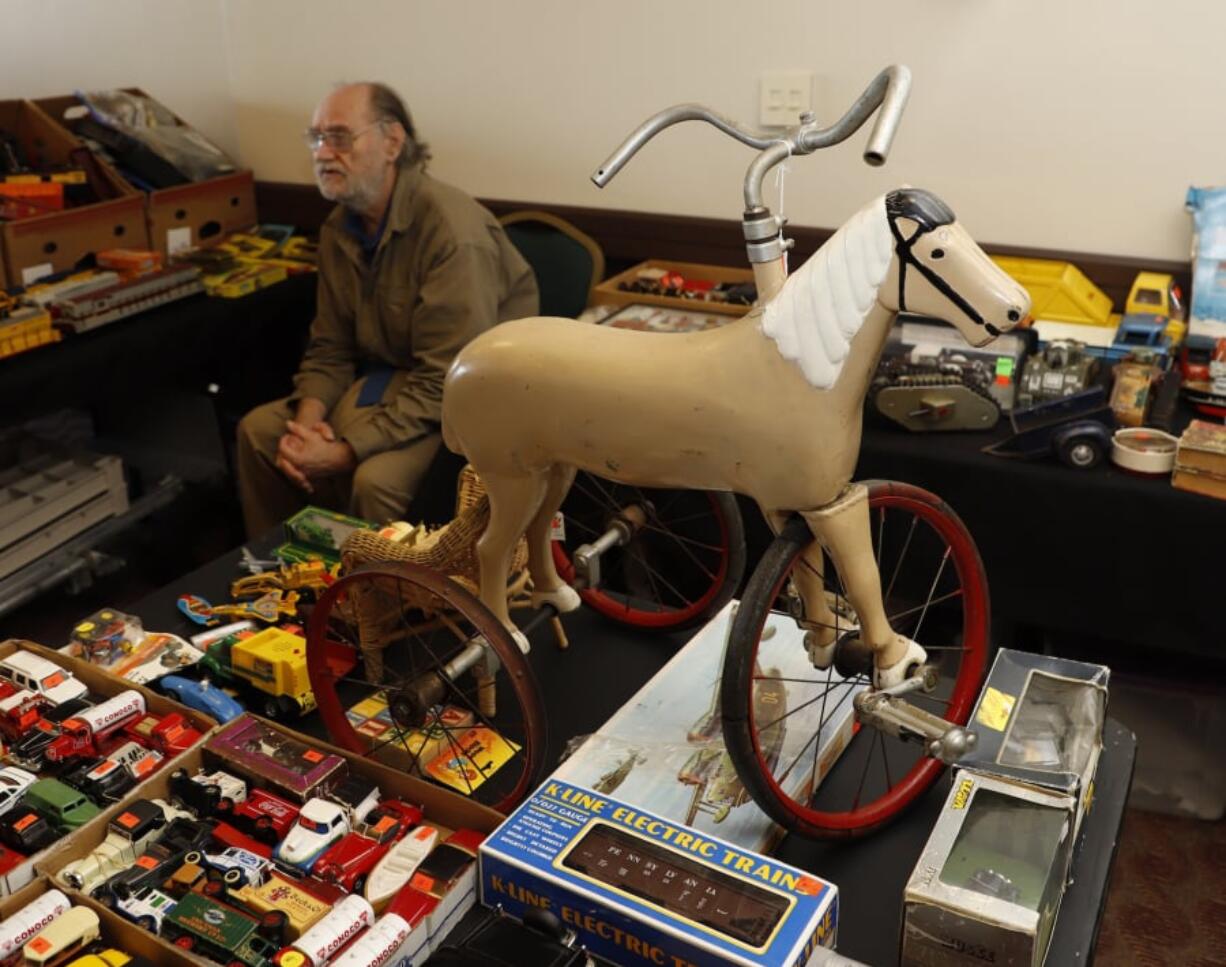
{"x": 901, "y": 557}
{"x": 897, "y": 615}
{"x": 868, "y": 760}
{"x": 931, "y": 591}
{"x": 816, "y": 732}
{"x": 803, "y": 705}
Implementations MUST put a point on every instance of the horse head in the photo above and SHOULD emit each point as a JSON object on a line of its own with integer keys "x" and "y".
{"x": 940, "y": 271}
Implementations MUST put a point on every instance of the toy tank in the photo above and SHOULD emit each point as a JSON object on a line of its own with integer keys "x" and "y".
{"x": 1061, "y": 369}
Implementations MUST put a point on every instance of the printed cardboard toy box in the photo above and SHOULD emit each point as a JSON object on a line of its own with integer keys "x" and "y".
{"x": 443, "y": 809}
{"x": 664, "y": 750}
{"x": 58, "y": 240}
{"x": 989, "y": 882}
{"x": 1039, "y": 720}
{"x": 638, "y": 888}
{"x": 186, "y": 215}
{"x": 102, "y": 686}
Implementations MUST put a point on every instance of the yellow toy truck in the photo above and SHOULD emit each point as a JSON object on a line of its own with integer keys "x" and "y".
{"x": 272, "y": 662}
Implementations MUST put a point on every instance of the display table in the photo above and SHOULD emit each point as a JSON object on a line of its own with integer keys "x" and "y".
{"x": 1097, "y": 554}
{"x": 251, "y": 344}
{"x": 606, "y": 665}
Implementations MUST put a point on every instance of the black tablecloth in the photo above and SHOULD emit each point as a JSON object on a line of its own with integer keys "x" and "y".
{"x": 1096, "y": 554}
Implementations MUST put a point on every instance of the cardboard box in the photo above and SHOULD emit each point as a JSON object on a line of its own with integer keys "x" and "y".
{"x": 443, "y": 809}
{"x": 105, "y": 685}
{"x": 637, "y": 888}
{"x": 664, "y": 750}
{"x": 989, "y": 882}
{"x": 1039, "y": 721}
{"x": 196, "y": 214}
{"x": 57, "y": 241}
{"x": 186, "y": 215}
{"x": 115, "y": 932}
{"x": 608, "y": 293}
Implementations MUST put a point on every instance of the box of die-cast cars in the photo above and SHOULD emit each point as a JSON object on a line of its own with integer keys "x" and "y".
{"x": 75, "y": 740}
{"x": 275, "y": 867}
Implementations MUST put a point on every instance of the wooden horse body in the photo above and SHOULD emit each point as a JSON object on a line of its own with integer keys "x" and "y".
{"x": 769, "y": 406}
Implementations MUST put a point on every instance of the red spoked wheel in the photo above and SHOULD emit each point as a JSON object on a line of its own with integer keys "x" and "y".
{"x": 681, "y": 565}
{"x": 434, "y": 685}
{"x": 852, "y": 779}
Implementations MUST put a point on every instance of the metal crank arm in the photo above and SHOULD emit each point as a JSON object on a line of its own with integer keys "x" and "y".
{"x": 891, "y": 714}
{"x": 430, "y": 688}
{"x": 586, "y": 558}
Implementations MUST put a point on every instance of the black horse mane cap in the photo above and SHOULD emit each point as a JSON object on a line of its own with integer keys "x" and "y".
{"x": 920, "y": 206}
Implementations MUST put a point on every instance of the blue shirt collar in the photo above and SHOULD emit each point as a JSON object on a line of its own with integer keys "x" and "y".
{"x": 354, "y": 226}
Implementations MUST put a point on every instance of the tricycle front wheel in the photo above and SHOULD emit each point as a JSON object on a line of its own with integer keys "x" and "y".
{"x": 782, "y": 716}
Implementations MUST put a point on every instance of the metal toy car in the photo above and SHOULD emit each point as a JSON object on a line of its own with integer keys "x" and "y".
{"x": 267, "y": 817}
{"x": 25, "y": 831}
{"x": 128, "y": 835}
{"x": 203, "y": 792}
{"x": 13, "y": 783}
{"x": 349, "y": 861}
{"x": 27, "y": 670}
{"x": 65, "y": 808}
{"x": 146, "y": 908}
{"x": 31, "y": 747}
{"x": 320, "y": 824}
{"x": 203, "y": 696}
{"x": 1077, "y": 429}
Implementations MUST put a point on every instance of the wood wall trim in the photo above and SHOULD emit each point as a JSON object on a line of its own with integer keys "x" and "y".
{"x": 628, "y": 237}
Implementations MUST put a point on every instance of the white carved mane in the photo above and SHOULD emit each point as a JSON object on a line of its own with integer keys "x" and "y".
{"x": 822, "y": 305}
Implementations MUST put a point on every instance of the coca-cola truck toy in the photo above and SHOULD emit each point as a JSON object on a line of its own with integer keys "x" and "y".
{"x": 267, "y": 817}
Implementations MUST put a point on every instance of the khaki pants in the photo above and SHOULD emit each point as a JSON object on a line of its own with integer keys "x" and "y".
{"x": 379, "y": 490}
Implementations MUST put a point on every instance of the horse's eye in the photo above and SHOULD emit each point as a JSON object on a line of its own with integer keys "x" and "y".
{"x": 938, "y": 253}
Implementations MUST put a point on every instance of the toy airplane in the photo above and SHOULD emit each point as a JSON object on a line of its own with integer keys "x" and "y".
{"x": 268, "y": 608}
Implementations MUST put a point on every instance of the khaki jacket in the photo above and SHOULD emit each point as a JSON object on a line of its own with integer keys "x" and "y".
{"x": 444, "y": 272}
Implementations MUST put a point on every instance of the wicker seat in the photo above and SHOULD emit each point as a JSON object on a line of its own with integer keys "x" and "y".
{"x": 382, "y": 609}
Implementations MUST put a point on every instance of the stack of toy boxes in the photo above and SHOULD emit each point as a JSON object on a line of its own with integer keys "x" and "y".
{"x": 989, "y": 882}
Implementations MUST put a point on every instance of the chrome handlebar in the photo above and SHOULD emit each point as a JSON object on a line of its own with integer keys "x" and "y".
{"x": 888, "y": 90}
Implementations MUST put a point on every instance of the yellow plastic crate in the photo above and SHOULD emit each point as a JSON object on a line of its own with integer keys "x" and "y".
{"x": 1059, "y": 292}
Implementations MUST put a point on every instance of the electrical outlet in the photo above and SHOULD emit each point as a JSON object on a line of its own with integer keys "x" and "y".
{"x": 784, "y": 96}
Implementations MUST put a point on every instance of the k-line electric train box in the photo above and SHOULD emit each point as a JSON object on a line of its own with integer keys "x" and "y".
{"x": 1040, "y": 721}
{"x": 664, "y": 749}
{"x": 639, "y": 888}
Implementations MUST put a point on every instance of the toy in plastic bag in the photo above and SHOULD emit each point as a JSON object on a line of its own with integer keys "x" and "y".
{"x": 143, "y": 118}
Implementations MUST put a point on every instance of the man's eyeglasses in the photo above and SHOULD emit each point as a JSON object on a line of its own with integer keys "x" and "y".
{"x": 338, "y": 139}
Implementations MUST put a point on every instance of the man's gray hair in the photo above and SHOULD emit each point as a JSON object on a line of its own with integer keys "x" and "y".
{"x": 386, "y": 105}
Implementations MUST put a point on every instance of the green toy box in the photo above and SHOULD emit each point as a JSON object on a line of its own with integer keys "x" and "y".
{"x": 316, "y": 532}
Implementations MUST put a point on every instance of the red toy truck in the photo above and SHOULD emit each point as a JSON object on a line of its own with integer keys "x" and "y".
{"x": 92, "y": 732}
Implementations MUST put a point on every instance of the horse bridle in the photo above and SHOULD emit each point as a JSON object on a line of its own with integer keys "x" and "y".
{"x": 907, "y": 257}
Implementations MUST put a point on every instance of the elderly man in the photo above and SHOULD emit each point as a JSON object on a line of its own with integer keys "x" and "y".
{"x": 410, "y": 269}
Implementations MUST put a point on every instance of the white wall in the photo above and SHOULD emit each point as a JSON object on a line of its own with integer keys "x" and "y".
{"x": 1069, "y": 124}
{"x": 173, "y": 49}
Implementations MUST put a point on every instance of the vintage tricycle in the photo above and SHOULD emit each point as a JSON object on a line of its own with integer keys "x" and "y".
{"x": 881, "y": 580}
